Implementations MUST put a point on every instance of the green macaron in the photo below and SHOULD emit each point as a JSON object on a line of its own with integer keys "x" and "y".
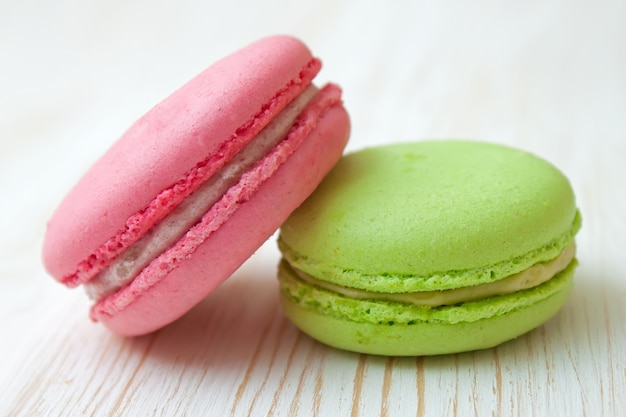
{"x": 430, "y": 247}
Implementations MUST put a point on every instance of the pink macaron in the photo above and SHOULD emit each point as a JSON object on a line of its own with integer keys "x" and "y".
{"x": 196, "y": 185}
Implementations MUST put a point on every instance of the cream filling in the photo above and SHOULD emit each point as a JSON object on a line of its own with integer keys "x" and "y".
{"x": 531, "y": 277}
{"x": 168, "y": 231}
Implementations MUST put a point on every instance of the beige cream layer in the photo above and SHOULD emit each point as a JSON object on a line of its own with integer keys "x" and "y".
{"x": 532, "y": 277}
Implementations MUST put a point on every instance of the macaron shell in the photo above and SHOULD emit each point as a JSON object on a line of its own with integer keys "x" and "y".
{"x": 216, "y": 113}
{"x": 133, "y": 312}
{"x": 427, "y": 337}
{"x": 431, "y": 215}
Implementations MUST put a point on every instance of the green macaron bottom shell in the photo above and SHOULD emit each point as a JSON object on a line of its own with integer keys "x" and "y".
{"x": 399, "y": 329}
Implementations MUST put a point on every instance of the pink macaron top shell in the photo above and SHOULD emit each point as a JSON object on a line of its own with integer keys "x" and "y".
{"x": 170, "y": 151}
{"x": 236, "y": 226}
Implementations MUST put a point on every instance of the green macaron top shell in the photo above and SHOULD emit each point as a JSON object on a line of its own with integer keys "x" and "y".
{"x": 431, "y": 215}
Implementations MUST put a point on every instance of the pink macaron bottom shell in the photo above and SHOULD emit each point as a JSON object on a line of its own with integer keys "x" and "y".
{"x": 155, "y": 298}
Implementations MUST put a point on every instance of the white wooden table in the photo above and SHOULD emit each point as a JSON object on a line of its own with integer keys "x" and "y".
{"x": 548, "y": 77}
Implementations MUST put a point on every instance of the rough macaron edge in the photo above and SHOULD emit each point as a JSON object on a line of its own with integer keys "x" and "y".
{"x": 327, "y": 303}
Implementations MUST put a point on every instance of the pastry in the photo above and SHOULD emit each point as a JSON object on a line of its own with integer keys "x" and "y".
{"x": 196, "y": 185}
{"x": 430, "y": 247}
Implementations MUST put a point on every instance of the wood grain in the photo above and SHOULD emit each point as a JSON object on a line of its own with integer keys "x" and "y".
{"x": 548, "y": 77}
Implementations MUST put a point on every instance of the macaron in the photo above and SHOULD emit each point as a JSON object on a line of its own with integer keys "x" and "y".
{"x": 429, "y": 248}
{"x": 196, "y": 185}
